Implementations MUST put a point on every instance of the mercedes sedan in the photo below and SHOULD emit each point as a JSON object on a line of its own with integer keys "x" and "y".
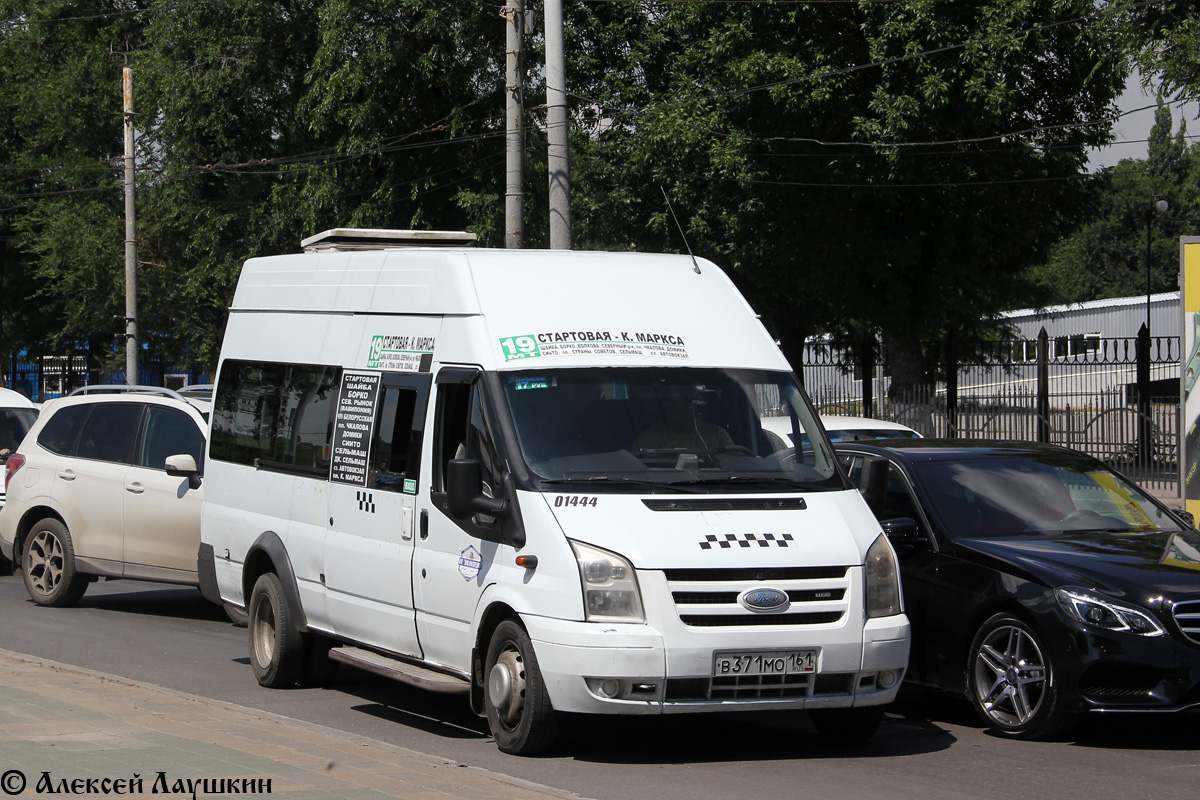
{"x": 1039, "y": 582}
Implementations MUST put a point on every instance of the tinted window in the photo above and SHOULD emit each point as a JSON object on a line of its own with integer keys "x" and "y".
{"x": 395, "y": 452}
{"x": 168, "y": 433}
{"x": 59, "y": 433}
{"x": 14, "y": 424}
{"x": 275, "y": 415}
{"x": 110, "y": 432}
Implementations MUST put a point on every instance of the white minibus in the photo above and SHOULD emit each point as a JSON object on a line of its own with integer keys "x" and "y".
{"x": 545, "y": 480}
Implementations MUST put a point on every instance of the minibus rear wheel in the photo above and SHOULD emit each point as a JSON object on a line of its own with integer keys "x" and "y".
{"x": 276, "y": 646}
{"x": 522, "y": 719}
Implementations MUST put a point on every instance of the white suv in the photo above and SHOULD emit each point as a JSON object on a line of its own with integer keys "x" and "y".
{"x": 105, "y": 484}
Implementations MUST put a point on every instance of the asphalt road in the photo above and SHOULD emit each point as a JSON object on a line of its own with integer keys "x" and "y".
{"x": 930, "y": 747}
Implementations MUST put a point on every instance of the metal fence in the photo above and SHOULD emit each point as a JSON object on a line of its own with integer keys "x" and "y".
{"x": 1082, "y": 392}
{"x": 46, "y": 377}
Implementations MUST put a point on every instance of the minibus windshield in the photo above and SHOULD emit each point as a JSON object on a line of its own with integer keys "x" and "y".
{"x": 668, "y": 429}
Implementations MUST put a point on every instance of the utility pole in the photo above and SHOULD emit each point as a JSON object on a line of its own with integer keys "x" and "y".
{"x": 131, "y": 334}
{"x": 557, "y": 128}
{"x": 514, "y": 192}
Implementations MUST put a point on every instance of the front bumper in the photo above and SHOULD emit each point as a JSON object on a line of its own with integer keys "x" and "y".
{"x": 1115, "y": 672}
{"x": 624, "y": 668}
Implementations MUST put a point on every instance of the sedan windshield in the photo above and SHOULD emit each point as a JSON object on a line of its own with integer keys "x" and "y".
{"x": 668, "y": 429}
{"x": 988, "y": 497}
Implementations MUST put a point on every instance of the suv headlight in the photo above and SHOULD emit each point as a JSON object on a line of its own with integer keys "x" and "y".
{"x": 610, "y": 590}
{"x": 882, "y": 580}
{"x": 1098, "y": 611}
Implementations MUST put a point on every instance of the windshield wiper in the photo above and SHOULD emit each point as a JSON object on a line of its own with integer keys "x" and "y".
{"x": 609, "y": 481}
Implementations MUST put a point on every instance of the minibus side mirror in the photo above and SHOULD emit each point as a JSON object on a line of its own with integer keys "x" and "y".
{"x": 873, "y": 482}
{"x": 184, "y": 466}
{"x": 464, "y": 490}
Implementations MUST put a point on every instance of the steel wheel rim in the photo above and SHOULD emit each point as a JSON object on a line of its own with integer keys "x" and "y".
{"x": 264, "y": 632}
{"x": 506, "y": 686}
{"x": 44, "y": 562}
{"x": 1011, "y": 676}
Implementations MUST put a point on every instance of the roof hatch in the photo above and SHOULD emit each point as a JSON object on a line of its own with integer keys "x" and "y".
{"x": 342, "y": 239}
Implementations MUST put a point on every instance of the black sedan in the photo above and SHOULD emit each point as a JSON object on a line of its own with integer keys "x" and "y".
{"x": 1038, "y": 581}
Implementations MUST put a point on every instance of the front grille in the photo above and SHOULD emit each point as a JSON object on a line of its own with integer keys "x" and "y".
{"x": 795, "y": 596}
{"x": 754, "y": 574}
{"x": 1187, "y": 617}
{"x": 760, "y": 687}
{"x": 708, "y": 598}
{"x": 728, "y": 620}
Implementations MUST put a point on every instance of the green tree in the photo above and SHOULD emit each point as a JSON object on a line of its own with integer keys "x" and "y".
{"x": 889, "y": 166}
{"x": 1107, "y": 255}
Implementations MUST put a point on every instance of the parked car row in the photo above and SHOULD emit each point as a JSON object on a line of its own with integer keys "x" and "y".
{"x": 1040, "y": 583}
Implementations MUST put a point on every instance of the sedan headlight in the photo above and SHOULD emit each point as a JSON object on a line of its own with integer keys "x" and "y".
{"x": 610, "y": 590}
{"x": 882, "y": 580}
{"x": 1100, "y": 612}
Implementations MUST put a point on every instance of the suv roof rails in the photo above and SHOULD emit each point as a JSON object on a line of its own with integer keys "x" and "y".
{"x": 118, "y": 388}
{"x": 345, "y": 239}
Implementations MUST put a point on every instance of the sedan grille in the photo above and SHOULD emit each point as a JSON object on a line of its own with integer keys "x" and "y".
{"x": 1187, "y": 616}
{"x": 708, "y": 598}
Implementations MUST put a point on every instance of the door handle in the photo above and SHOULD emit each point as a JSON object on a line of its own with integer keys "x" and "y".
{"x": 424, "y": 523}
{"x": 67, "y": 475}
{"x": 135, "y": 488}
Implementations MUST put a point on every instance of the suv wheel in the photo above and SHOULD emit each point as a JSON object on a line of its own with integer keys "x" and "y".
{"x": 48, "y": 565}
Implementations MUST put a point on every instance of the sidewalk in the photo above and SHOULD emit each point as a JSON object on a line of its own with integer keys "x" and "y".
{"x": 71, "y": 731}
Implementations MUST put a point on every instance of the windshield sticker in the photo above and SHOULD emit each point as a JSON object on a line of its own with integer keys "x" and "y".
{"x": 745, "y": 540}
{"x": 401, "y": 353}
{"x": 469, "y": 563}
{"x": 533, "y": 383}
{"x": 1129, "y": 508}
{"x": 410, "y": 486}
{"x": 593, "y": 343}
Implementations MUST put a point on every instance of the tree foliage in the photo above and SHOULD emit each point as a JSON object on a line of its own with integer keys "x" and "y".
{"x": 862, "y": 167}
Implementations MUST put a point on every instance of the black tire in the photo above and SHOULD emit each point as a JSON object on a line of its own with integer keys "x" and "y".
{"x": 276, "y": 646}
{"x": 48, "y": 566}
{"x": 1011, "y": 681}
{"x": 522, "y": 719}
{"x": 319, "y": 669}
{"x": 236, "y": 615}
{"x": 847, "y": 725}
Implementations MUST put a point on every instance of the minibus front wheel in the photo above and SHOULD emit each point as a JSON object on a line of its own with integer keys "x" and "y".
{"x": 522, "y": 719}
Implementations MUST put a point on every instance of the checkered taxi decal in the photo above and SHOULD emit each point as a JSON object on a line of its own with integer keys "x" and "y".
{"x": 745, "y": 540}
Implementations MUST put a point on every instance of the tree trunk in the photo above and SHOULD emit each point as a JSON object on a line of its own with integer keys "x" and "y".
{"x": 911, "y": 390}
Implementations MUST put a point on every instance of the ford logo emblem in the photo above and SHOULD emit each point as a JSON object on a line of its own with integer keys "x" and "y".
{"x": 764, "y": 600}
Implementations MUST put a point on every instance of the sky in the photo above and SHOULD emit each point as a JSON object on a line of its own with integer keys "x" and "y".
{"x": 1134, "y": 128}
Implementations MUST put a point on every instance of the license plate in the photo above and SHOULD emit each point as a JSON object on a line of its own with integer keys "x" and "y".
{"x": 778, "y": 662}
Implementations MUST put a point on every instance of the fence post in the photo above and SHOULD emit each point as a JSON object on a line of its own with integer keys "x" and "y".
{"x": 1043, "y": 386}
{"x": 1145, "y": 426}
{"x": 867, "y": 365}
{"x": 952, "y": 383}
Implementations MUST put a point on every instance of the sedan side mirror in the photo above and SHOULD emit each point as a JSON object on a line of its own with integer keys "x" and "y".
{"x": 901, "y": 530}
{"x": 184, "y": 466}
{"x": 1186, "y": 517}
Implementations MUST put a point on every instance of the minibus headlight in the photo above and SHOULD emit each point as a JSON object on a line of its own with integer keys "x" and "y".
{"x": 882, "y": 580}
{"x": 610, "y": 591}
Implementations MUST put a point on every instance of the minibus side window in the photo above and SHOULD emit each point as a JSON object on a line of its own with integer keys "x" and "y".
{"x": 275, "y": 416}
{"x": 464, "y": 434}
{"x": 396, "y": 448}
